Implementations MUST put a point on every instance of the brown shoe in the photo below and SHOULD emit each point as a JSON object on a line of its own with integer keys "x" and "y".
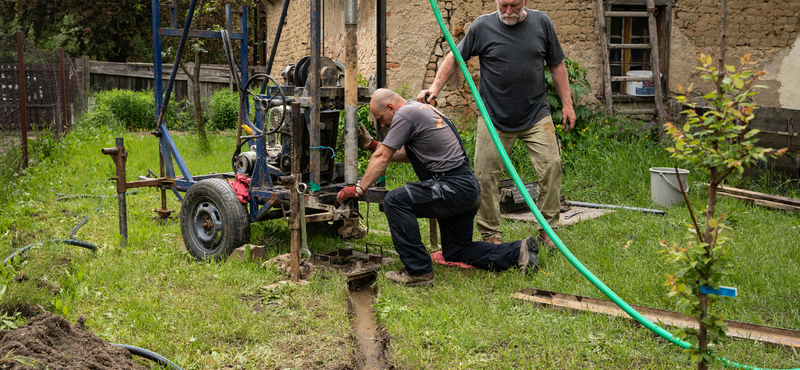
{"x": 529, "y": 256}
{"x": 546, "y": 241}
{"x": 403, "y": 277}
{"x": 493, "y": 240}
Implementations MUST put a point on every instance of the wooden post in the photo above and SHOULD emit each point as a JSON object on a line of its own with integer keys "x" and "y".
{"x": 63, "y": 92}
{"x": 23, "y": 98}
{"x": 434, "y": 233}
{"x": 86, "y": 80}
{"x": 601, "y": 33}
{"x": 654, "y": 62}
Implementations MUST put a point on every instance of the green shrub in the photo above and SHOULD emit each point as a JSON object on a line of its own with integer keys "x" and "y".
{"x": 222, "y": 111}
{"x": 101, "y": 116}
{"x": 135, "y": 111}
{"x": 577, "y": 83}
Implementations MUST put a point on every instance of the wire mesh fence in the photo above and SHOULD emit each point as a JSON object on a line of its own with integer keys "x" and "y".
{"x": 53, "y": 98}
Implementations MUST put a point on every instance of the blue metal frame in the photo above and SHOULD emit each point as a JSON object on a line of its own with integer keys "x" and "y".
{"x": 263, "y": 193}
{"x": 262, "y": 184}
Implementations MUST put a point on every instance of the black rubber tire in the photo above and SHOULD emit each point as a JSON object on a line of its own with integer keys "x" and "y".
{"x": 213, "y": 221}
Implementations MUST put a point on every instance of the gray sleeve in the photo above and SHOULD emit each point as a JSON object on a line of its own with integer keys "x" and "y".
{"x": 468, "y": 46}
{"x": 399, "y": 133}
{"x": 554, "y": 52}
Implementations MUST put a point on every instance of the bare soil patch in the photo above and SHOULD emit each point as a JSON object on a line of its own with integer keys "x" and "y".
{"x": 51, "y": 342}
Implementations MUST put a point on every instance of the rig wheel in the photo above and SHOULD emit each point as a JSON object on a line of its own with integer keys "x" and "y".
{"x": 213, "y": 221}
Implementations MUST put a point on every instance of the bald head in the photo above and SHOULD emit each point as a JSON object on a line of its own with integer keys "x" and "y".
{"x": 384, "y": 104}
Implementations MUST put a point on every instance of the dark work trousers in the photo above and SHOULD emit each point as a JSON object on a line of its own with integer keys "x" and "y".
{"x": 455, "y": 214}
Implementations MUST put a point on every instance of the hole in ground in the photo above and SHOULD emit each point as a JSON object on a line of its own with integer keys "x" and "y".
{"x": 369, "y": 339}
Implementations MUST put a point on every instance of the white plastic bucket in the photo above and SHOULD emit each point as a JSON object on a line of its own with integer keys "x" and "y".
{"x": 664, "y": 188}
{"x": 640, "y": 88}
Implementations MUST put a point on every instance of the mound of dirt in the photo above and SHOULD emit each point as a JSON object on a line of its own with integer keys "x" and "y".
{"x": 51, "y": 342}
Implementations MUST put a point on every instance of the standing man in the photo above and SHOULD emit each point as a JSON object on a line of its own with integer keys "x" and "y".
{"x": 448, "y": 192}
{"x": 514, "y": 44}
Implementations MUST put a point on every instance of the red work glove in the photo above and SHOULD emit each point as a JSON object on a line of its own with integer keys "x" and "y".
{"x": 349, "y": 192}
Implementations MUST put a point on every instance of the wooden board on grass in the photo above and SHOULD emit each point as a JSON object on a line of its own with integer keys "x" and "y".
{"x": 743, "y": 330}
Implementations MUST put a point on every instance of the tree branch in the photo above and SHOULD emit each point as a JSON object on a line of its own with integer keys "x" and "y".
{"x": 688, "y": 205}
{"x": 186, "y": 70}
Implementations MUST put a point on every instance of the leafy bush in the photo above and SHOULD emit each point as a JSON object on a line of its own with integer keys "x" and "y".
{"x": 133, "y": 110}
{"x": 577, "y": 83}
{"x": 222, "y": 111}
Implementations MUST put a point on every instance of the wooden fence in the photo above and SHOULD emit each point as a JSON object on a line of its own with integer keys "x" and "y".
{"x": 780, "y": 128}
{"x": 139, "y": 77}
{"x": 43, "y": 103}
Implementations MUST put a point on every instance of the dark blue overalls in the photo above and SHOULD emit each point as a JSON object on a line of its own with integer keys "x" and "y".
{"x": 453, "y": 198}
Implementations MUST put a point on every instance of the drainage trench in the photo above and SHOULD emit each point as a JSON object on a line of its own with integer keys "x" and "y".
{"x": 368, "y": 338}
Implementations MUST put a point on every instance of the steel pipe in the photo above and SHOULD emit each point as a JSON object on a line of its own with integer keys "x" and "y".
{"x": 351, "y": 92}
{"x": 610, "y": 206}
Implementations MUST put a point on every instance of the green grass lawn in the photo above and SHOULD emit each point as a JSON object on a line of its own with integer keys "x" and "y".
{"x": 214, "y": 315}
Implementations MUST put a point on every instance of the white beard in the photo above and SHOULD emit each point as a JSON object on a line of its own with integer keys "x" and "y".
{"x": 510, "y": 19}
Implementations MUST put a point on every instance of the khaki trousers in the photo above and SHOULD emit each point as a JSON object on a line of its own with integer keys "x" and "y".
{"x": 540, "y": 141}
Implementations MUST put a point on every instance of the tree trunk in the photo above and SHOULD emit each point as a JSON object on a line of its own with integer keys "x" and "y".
{"x": 198, "y": 107}
{"x": 708, "y": 238}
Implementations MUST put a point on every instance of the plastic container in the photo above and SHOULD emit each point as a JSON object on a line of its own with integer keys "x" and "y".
{"x": 664, "y": 188}
{"x": 640, "y": 88}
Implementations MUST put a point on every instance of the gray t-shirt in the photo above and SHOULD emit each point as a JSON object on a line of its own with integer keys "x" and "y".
{"x": 512, "y": 83}
{"x": 426, "y": 134}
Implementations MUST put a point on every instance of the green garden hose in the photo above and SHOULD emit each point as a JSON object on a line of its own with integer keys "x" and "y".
{"x": 536, "y": 213}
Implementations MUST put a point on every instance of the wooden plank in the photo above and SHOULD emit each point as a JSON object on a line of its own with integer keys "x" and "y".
{"x": 736, "y": 329}
{"x": 776, "y": 119}
{"x": 761, "y": 202}
{"x": 640, "y": 2}
{"x": 630, "y": 78}
{"x": 622, "y": 14}
{"x": 629, "y": 46}
{"x": 208, "y": 73}
{"x": 778, "y": 140}
{"x": 624, "y": 98}
{"x": 757, "y": 195}
{"x": 637, "y": 111}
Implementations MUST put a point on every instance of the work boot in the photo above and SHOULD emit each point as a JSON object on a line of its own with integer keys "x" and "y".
{"x": 529, "y": 255}
{"x": 493, "y": 240}
{"x": 545, "y": 239}
{"x": 403, "y": 277}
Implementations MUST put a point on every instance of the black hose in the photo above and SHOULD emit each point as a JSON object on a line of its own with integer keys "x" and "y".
{"x": 76, "y": 243}
{"x": 150, "y": 355}
{"x": 74, "y": 230}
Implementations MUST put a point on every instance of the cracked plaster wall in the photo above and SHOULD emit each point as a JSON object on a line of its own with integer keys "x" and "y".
{"x": 767, "y": 29}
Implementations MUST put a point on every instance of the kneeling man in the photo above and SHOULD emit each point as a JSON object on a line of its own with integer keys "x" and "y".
{"x": 448, "y": 191}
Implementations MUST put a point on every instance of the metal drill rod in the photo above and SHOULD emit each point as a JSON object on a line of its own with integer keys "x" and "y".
{"x": 610, "y": 206}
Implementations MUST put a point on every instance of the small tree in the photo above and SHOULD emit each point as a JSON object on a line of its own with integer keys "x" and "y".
{"x": 717, "y": 140}
{"x": 194, "y": 76}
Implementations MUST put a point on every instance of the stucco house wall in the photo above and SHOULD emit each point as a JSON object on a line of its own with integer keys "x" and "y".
{"x": 769, "y": 30}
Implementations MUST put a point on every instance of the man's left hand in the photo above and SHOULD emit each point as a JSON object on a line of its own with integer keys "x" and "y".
{"x": 568, "y": 115}
{"x": 347, "y": 193}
